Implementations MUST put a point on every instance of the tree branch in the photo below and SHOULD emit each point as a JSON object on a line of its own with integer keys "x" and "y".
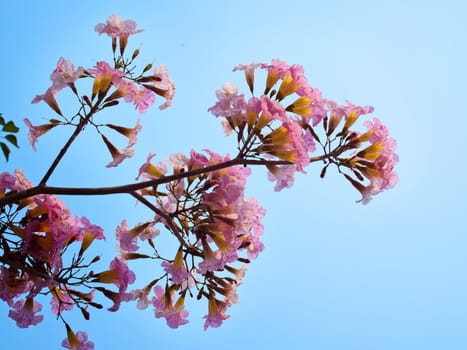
{"x": 13, "y": 197}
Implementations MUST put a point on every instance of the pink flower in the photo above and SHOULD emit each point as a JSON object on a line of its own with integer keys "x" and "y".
{"x": 142, "y": 98}
{"x": 293, "y": 79}
{"x": 150, "y": 171}
{"x": 116, "y": 27}
{"x": 12, "y": 284}
{"x": 349, "y": 112}
{"x": 229, "y": 105}
{"x": 239, "y": 273}
{"x": 212, "y": 260}
{"x": 48, "y": 228}
{"x": 120, "y": 275}
{"x": 276, "y": 70}
{"x": 130, "y": 133}
{"x": 375, "y": 162}
{"x": 127, "y": 237}
{"x": 149, "y": 232}
{"x": 297, "y": 144}
{"x": 22, "y": 182}
{"x": 84, "y": 343}
{"x": 120, "y": 155}
{"x": 7, "y": 181}
{"x": 228, "y": 186}
{"x": 178, "y": 161}
{"x": 284, "y": 175}
{"x": 273, "y": 109}
{"x": 24, "y": 313}
{"x": 309, "y": 141}
{"x": 86, "y": 226}
{"x": 216, "y": 314}
{"x": 387, "y": 159}
{"x": 65, "y": 74}
{"x": 251, "y": 227}
{"x": 126, "y": 240}
{"x": 197, "y": 160}
{"x": 142, "y": 296}
{"x": 49, "y": 98}
{"x": 249, "y": 70}
{"x": 176, "y": 269}
{"x": 104, "y": 71}
{"x": 61, "y": 301}
{"x": 162, "y": 301}
{"x": 165, "y": 86}
{"x": 124, "y": 276}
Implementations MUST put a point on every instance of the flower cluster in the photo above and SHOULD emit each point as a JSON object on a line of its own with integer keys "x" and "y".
{"x": 375, "y": 162}
{"x": 217, "y": 227}
{"x": 110, "y": 85}
{"x": 275, "y": 124}
{"x": 39, "y": 232}
{"x": 281, "y": 124}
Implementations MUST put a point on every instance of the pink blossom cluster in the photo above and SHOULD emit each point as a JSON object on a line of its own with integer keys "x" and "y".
{"x": 276, "y": 119}
{"x": 110, "y": 85}
{"x": 36, "y": 244}
{"x": 277, "y": 125}
{"x": 222, "y": 225}
{"x": 377, "y": 161}
{"x": 141, "y": 95}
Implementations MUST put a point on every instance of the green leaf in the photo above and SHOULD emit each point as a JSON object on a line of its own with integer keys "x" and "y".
{"x": 12, "y": 139}
{"x": 10, "y": 127}
{"x": 5, "y": 150}
{"x": 2, "y": 121}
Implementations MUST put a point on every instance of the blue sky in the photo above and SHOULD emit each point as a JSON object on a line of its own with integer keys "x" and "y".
{"x": 334, "y": 274}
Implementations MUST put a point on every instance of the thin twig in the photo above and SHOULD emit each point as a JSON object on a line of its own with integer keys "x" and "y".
{"x": 168, "y": 221}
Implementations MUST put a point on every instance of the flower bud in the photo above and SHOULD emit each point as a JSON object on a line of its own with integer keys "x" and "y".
{"x": 148, "y": 67}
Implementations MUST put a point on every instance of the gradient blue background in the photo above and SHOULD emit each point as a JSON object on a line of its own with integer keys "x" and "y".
{"x": 335, "y": 274}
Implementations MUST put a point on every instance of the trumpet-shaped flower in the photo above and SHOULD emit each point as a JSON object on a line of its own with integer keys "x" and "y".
{"x": 164, "y": 306}
{"x": 80, "y": 342}
{"x": 126, "y": 238}
{"x": 60, "y": 301}
{"x": 65, "y": 74}
{"x": 7, "y": 181}
{"x": 12, "y": 284}
{"x": 123, "y": 275}
{"x": 249, "y": 70}
{"x": 116, "y": 27}
{"x": 176, "y": 269}
{"x": 216, "y": 314}
{"x": 149, "y": 171}
{"x": 375, "y": 162}
{"x": 284, "y": 175}
{"x": 385, "y": 162}
{"x": 24, "y": 313}
{"x": 164, "y": 86}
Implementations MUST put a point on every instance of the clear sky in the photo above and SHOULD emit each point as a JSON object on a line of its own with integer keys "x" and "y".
{"x": 334, "y": 274}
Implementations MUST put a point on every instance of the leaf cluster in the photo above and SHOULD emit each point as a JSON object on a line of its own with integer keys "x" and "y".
{"x": 8, "y": 130}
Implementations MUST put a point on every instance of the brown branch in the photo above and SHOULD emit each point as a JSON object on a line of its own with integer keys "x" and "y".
{"x": 14, "y": 197}
{"x": 67, "y": 145}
